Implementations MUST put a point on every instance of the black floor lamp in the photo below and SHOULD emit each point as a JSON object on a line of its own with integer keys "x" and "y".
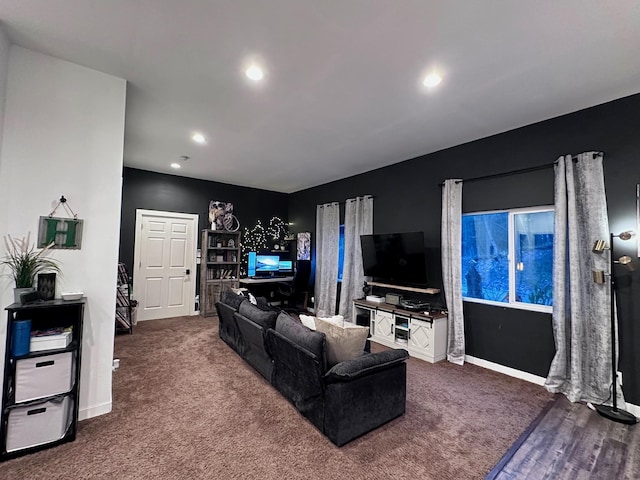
{"x": 613, "y": 412}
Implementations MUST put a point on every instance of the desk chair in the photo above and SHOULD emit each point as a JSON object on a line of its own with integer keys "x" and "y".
{"x": 295, "y": 294}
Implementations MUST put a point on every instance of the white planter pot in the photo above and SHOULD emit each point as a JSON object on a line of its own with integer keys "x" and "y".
{"x": 17, "y": 293}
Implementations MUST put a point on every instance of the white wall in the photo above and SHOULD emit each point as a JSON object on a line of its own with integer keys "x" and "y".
{"x": 4, "y": 69}
{"x": 63, "y": 135}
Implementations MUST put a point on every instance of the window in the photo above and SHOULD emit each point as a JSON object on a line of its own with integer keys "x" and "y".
{"x": 507, "y": 258}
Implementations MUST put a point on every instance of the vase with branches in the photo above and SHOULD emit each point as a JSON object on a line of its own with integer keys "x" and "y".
{"x": 25, "y": 262}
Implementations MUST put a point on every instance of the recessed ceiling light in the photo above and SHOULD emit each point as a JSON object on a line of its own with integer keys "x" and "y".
{"x": 431, "y": 80}
{"x": 198, "y": 138}
{"x": 176, "y": 165}
{"x": 255, "y": 73}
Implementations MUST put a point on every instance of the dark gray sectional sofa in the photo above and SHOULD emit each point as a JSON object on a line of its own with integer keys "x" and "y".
{"x": 343, "y": 401}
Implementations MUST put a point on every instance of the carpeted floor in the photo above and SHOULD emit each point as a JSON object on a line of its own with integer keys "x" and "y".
{"x": 186, "y": 406}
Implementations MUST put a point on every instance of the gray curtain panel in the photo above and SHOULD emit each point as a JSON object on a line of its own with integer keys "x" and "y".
{"x": 358, "y": 220}
{"x": 327, "y": 238}
{"x": 581, "y": 367}
{"x": 452, "y": 267}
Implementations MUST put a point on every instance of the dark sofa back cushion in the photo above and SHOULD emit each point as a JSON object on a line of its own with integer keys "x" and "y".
{"x": 313, "y": 342}
{"x": 232, "y": 299}
{"x": 266, "y": 319}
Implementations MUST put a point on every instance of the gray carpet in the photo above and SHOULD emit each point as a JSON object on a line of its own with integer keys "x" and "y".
{"x": 186, "y": 406}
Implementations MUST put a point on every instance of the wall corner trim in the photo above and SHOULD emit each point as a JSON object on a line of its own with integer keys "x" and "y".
{"x": 95, "y": 411}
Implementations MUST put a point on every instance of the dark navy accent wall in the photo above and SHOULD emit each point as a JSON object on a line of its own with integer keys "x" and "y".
{"x": 156, "y": 191}
{"x": 407, "y": 198}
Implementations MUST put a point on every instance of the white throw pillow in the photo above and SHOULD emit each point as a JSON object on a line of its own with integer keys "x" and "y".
{"x": 337, "y": 319}
{"x": 344, "y": 342}
{"x": 308, "y": 321}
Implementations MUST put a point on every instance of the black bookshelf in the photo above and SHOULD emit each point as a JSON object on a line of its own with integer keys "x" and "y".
{"x": 44, "y": 315}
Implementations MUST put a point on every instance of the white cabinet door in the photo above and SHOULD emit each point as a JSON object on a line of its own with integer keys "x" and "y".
{"x": 421, "y": 337}
{"x": 384, "y": 325}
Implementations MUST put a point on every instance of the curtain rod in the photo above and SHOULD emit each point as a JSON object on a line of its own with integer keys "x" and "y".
{"x": 519, "y": 171}
{"x": 347, "y": 200}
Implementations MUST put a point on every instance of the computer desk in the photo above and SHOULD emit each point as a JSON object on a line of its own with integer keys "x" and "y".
{"x": 254, "y": 281}
{"x": 265, "y": 287}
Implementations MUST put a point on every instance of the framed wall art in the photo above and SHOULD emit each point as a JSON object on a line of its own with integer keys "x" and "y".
{"x": 304, "y": 246}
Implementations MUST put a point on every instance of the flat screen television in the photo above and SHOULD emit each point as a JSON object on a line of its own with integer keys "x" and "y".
{"x": 395, "y": 258}
{"x": 267, "y": 263}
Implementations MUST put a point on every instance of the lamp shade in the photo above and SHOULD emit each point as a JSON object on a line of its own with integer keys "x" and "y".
{"x": 624, "y": 260}
{"x": 626, "y": 235}
{"x": 598, "y": 276}
{"x": 599, "y": 246}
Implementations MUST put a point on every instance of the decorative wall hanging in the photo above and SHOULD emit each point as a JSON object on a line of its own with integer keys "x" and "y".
{"x": 221, "y": 215}
{"x": 65, "y": 233}
{"x": 279, "y": 234}
{"x": 304, "y": 246}
{"x": 253, "y": 240}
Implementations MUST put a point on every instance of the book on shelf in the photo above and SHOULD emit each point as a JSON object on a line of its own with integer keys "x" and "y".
{"x": 220, "y": 273}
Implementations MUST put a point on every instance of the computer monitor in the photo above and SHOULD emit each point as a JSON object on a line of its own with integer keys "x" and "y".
{"x": 285, "y": 266}
{"x": 267, "y": 263}
{"x": 251, "y": 264}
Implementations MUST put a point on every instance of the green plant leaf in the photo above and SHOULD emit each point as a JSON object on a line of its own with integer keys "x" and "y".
{"x": 25, "y": 262}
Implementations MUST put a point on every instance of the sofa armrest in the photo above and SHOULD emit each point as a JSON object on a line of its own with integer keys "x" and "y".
{"x": 365, "y": 365}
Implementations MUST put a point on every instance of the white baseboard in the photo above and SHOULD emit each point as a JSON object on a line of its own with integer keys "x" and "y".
{"x": 94, "y": 411}
{"x": 633, "y": 409}
{"x": 529, "y": 377}
{"x": 512, "y": 372}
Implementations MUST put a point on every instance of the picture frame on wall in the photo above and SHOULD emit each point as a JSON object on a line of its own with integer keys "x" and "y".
{"x": 304, "y": 246}
{"x": 220, "y": 215}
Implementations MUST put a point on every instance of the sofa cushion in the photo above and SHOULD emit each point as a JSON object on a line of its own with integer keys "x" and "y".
{"x": 266, "y": 319}
{"x": 344, "y": 341}
{"x": 313, "y": 342}
{"x": 366, "y": 364}
{"x": 228, "y": 328}
{"x": 232, "y": 299}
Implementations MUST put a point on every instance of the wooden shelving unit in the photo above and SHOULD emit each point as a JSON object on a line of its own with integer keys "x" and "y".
{"x": 124, "y": 308}
{"x": 219, "y": 267}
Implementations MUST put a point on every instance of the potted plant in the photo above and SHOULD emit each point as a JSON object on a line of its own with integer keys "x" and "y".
{"x": 25, "y": 263}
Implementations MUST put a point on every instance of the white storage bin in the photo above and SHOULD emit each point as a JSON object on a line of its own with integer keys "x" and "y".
{"x": 39, "y": 377}
{"x": 50, "y": 342}
{"x": 38, "y": 424}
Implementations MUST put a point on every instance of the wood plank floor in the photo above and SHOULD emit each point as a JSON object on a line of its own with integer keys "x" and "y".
{"x": 572, "y": 442}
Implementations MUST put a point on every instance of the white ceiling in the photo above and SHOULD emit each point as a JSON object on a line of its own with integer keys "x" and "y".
{"x": 342, "y": 93}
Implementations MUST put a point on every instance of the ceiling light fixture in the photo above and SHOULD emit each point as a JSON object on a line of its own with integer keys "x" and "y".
{"x": 255, "y": 73}
{"x": 198, "y": 138}
{"x": 432, "y": 80}
{"x": 183, "y": 158}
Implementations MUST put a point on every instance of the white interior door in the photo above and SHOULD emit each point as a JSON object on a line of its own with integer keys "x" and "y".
{"x": 164, "y": 264}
